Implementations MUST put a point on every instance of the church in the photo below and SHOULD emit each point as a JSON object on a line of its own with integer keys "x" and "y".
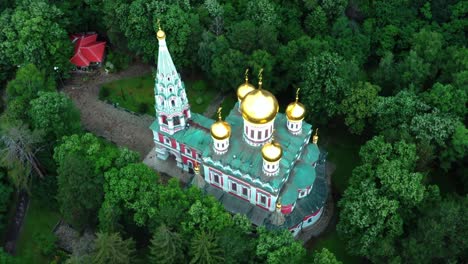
{"x": 256, "y": 161}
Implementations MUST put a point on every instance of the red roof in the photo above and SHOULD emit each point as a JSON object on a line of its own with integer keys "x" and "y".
{"x": 87, "y": 49}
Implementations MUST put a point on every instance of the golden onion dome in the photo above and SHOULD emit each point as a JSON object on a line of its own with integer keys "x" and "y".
{"x": 220, "y": 129}
{"x": 295, "y": 110}
{"x": 259, "y": 106}
{"x": 272, "y": 151}
{"x": 160, "y": 34}
{"x": 245, "y": 88}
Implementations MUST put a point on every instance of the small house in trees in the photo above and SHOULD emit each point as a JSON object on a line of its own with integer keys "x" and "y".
{"x": 257, "y": 161}
{"x": 88, "y": 51}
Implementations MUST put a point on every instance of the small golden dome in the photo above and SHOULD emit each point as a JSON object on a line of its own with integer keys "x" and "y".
{"x": 160, "y": 34}
{"x": 220, "y": 130}
{"x": 272, "y": 151}
{"x": 259, "y": 106}
{"x": 295, "y": 110}
{"x": 245, "y": 88}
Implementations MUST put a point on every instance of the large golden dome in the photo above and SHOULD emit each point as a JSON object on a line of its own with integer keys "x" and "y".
{"x": 295, "y": 110}
{"x": 244, "y": 88}
{"x": 220, "y": 130}
{"x": 259, "y": 106}
{"x": 272, "y": 151}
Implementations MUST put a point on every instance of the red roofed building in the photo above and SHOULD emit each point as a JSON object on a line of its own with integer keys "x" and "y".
{"x": 87, "y": 50}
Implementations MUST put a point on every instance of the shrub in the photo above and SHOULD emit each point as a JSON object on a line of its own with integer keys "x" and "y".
{"x": 143, "y": 108}
{"x": 46, "y": 244}
{"x": 119, "y": 61}
{"x": 104, "y": 92}
{"x": 199, "y": 86}
{"x": 199, "y": 100}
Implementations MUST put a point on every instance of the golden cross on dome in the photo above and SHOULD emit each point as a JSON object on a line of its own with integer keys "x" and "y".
{"x": 260, "y": 78}
{"x": 273, "y": 135}
{"x": 159, "y": 24}
{"x": 316, "y": 132}
{"x": 297, "y": 94}
{"x": 247, "y": 75}
{"x": 219, "y": 112}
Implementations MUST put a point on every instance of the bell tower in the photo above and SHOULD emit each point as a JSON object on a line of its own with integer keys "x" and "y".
{"x": 171, "y": 103}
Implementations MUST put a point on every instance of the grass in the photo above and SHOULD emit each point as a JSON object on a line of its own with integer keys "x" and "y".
{"x": 137, "y": 94}
{"x": 39, "y": 221}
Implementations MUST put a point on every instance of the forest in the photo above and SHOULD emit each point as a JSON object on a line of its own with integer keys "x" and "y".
{"x": 392, "y": 73}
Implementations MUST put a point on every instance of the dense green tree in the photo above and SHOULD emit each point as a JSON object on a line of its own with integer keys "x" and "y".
{"x": 76, "y": 181}
{"x": 228, "y": 67}
{"x": 329, "y": 76}
{"x": 242, "y": 36}
{"x": 324, "y": 256}
{"x": 316, "y": 22}
{"x": 34, "y": 33}
{"x": 359, "y": 105}
{"x": 261, "y": 59}
{"x": 278, "y": 247}
{"x": 28, "y": 82}
{"x": 138, "y": 23}
{"x": 55, "y": 114}
{"x": 207, "y": 214}
{"x": 448, "y": 99}
{"x": 237, "y": 245}
{"x": 456, "y": 149}
{"x": 6, "y": 258}
{"x": 204, "y": 249}
{"x": 18, "y": 152}
{"x": 383, "y": 192}
{"x": 349, "y": 42}
{"x": 166, "y": 246}
{"x": 397, "y": 111}
{"x": 293, "y": 55}
{"x": 134, "y": 188}
{"x": 443, "y": 230}
{"x": 111, "y": 248}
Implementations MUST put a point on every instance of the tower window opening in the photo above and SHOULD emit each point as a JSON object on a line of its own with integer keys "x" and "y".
{"x": 259, "y": 134}
{"x": 176, "y": 121}
{"x": 252, "y": 133}
{"x": 172, "y": 102}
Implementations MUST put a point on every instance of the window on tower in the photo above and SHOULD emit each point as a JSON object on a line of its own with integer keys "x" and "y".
{"x": 176, "y": 121}
{"x": 234, "y": 186}
{"x": 245, "y": 192}
{"x": 173, "y": 102}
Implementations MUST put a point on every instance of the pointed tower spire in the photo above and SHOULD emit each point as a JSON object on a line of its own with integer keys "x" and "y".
{"x": 172, "y": 106}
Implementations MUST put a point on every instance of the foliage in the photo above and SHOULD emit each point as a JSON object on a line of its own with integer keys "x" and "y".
{"x": 328, "y": 75}
{"x": 55, "y": 114}
{"x": 111, "y": 248}
{"x": 166, "y": 246}
{"x": 133, "y": 187}
{"x": 34, "y": 32}
{"x": 5, "y": 195}
{"x": 204, "y": 248}
{"x": 18, "y": 153}
{"x": 29, "y": 81}
{"x": 6, "y": 258}
{"x": 441, "y": 228}
{"x": 76, "y": 180}
{"x": 324, "y": 256}
{"x": 279, "y": 247}
{"x": 359, "y": 105}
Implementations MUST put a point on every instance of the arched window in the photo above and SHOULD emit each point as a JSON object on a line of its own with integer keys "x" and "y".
{"x": 173, "y": 102}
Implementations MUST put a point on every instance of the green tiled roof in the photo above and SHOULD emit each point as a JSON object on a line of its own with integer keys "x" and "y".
{"x": 303, "y": 175}
{"x": 245, "y": 161}
{"x": 309, "y": 204}
{"x": 196, "y": 135}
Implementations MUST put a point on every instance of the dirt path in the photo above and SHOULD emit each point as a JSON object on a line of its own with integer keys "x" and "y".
{"x": 116, "y": 125}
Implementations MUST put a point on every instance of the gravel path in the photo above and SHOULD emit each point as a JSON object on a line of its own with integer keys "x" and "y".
{"x": 116, "y": 125}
